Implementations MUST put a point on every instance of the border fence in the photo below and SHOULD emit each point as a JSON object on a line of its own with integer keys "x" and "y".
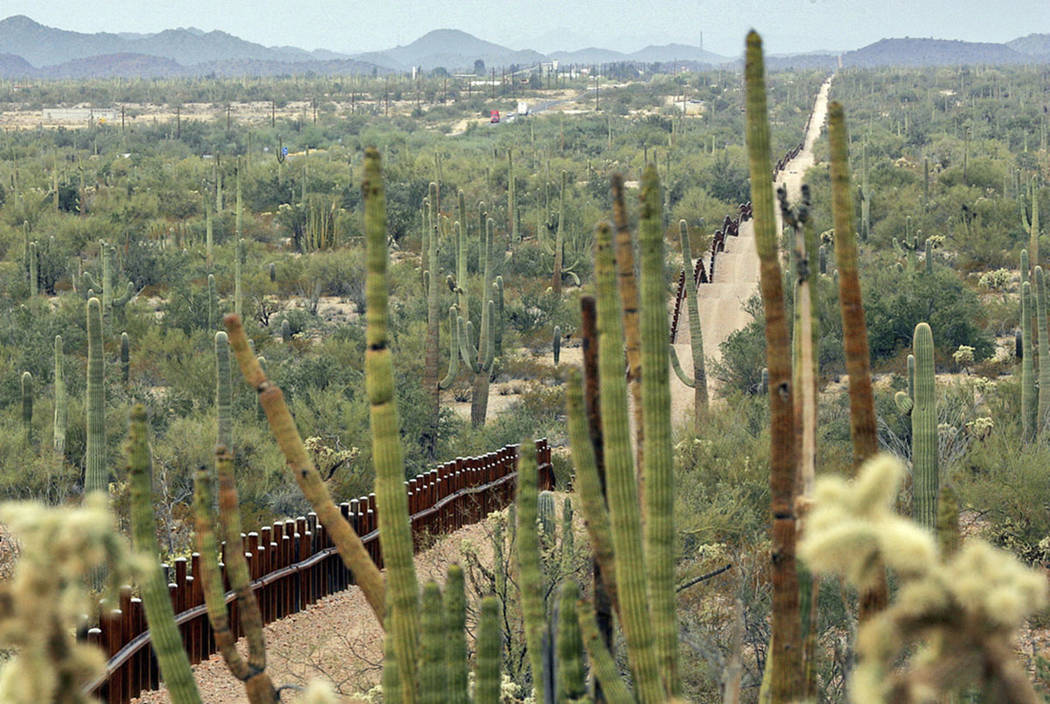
{"x": 293, "y": 564}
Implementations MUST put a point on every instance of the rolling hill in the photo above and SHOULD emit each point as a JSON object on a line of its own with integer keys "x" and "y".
{"x": 30, "y": 49}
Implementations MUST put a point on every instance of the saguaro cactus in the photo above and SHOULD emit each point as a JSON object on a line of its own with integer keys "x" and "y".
{"x": 480, "y": 359}
{"x": 1044, "y": 351}
{"x": 96, "y": 475}
{"x": 27, "y": 405}
{"x": 59, "y": 441}
{"x": 213, "y": 303}
{"x": 559, "y": 241}
{"x": 1029, "y": 402}
{"x": 698, "y": 381}
{"x": 125, "y": 359}
{"x": 556, "y": 343}
{"x": 924, "y": 430}
{"x": 489, "y": 653}
{"x": 456, "y": 627}
{"x": 530, "y": 574}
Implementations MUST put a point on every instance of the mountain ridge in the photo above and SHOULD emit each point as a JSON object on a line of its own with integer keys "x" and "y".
{"x": 31, "y": 49}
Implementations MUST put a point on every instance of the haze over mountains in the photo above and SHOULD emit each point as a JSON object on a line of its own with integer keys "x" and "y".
{"x": 31, "y": 50}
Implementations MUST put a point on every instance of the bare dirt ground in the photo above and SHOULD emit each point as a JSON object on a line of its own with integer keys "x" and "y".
{"x": 336, "y": 639}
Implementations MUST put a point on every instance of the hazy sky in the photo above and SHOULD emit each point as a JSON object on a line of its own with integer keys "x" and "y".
{"x": 788, "y": 25}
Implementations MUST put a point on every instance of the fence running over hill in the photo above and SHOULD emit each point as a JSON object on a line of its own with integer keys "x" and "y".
{"x": 294, "y": 563}
{"x": 730, "y": 228}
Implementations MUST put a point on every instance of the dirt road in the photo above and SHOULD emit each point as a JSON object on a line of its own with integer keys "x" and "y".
{"x": 736, "y": 274}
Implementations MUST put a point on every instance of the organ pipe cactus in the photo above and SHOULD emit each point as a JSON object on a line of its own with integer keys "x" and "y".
{"x": 698, "y": 381}
{"x": 433, "y": 666}
{"x": 924, "y": 431}
{"x": 160, "y": 614}
{"x": 27, "y": 405}
{"x": 59, "y": 441}
{"x": 456, "y": 628}
{"x": 96, "y": 475}
{"x": 391, "y": 499}
{"x": 1044, "y": 351}
{"x": 627, "y": 283}
{"x": 570, "y": 675}
{"x": 624, "y": 510}
{"x": 489, "y": 653}
{"x": 855, "y": 332}
{"x": 530, "y": 574}
{"x": 656, "y": 417}
{"x": 786, "y": 644}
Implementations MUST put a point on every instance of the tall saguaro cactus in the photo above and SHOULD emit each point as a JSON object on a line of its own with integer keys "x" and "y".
{"x": 698, "y": 381}
{"x": 1044, "y": 351}
{"x": 1029, "y": 410}
{"x": 786, "y": 638}
{"x": 59, "y": 440}
{"x": 96, "y": 476}
{"x": 27, "y": 405}
{"x": 924, "y": 430}
{"x": 479, "y": 359}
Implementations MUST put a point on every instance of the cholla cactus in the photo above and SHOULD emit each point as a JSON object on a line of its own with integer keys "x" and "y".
{"x": 975, "y": 600}
{"x": 61, "y": 549}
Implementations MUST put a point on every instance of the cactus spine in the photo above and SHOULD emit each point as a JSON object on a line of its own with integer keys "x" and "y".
{"x": 924, "y": 430}
{"x": 27, "y": 405}
{"x": 392, "y": 501}
{"x": 786, "y": 638}
{"x": 697, "y": 382}
{"x": 160, "y": 614}
{"x": 96, "y": 476}
{"x": 59, "y": 441}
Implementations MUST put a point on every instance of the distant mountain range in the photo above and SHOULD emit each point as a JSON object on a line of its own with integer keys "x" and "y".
{"x": 31, "y": 50}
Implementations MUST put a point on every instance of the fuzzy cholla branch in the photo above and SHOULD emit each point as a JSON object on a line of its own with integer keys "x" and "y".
{"x": 61, "y": 550}
{"x": 953, "y": 620}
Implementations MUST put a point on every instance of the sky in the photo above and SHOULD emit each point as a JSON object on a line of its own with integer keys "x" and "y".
{"x": 788, "y": 26}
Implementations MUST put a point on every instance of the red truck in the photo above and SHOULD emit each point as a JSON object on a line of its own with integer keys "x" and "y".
{"x": 495, "y": 117}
